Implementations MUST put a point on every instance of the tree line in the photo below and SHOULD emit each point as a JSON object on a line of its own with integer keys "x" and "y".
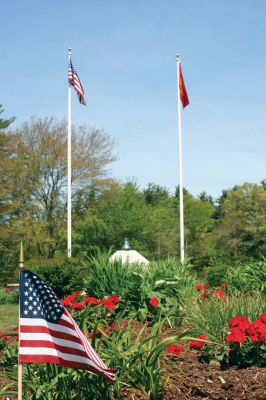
{"x": 33, "y": 176}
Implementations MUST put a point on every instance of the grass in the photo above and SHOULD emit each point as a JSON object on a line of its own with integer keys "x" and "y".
{"x": 8, "y": 316}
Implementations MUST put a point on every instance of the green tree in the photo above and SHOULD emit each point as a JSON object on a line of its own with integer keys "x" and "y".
{"x": 118, "y": 214}
{"x": 240, "y": 234}
{"x": 154, "y": 194}
{"x": 36, "y": 169}
{"x": 4, "y": 123}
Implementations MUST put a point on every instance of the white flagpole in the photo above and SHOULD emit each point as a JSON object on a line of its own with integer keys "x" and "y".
{"x": 69, "y": 169}
{"x": 181, "y": 201}
{"x": 21, "y": 266}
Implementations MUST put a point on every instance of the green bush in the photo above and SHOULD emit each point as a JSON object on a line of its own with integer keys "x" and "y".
{"x": 64, "y": 277}
{"x": 168, "y": 281}
{"x": 248, "y": 277}
{"x": 8, "y": 297}
{"x": 216, "y": 274}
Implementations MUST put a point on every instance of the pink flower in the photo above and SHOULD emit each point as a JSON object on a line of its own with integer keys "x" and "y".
{"x": 154, "y": 302}
{"x": 236, "y": 336}
{"x": 175, "y": 348}
{"x": 197, "y": 344}
{"x": 219, "y": 294}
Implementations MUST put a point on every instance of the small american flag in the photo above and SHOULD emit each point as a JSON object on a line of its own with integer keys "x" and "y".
{"x": 74, "y": 80}
{"x": 49, "y": 334}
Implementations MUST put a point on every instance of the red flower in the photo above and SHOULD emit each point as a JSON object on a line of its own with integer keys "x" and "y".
{"x": 199, "y": 287}
{"x": 154, "y": 302}
{"x": 262, "y": 318}
{"x": 114, "y": 326}
{"x": 218, "y": 293}
{"x": 106, "y": 330}
{"x": 92, "y": 301}
{"x": 240, "y": 322}
{"x": 67, "y": 300}
{"x": 196, "y": 344}
{"x": 236, "y": 336}
{"x": 114, "y": 299}
{"x": 7, "y": 289}
{"x": 257, "y": 331}
{"x": 77, "y": 306}
{"x": 174, "y": 348}
{"x": 109, "y": 305}
{"x": 206, "y": 286}
{"x": 4, "y": 337}
{"x": 224, "y": 285}
{"x": 97, "y": 333}
{"x": 203, "y": 296}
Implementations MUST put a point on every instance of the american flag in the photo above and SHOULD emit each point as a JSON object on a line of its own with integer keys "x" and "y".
{"x": 49, "y": 334}
{"x": 74, "y": 80}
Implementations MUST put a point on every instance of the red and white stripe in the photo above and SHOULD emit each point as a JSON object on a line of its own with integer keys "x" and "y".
{"x": 60, "y": 343}
{"x": 75, "y": 81}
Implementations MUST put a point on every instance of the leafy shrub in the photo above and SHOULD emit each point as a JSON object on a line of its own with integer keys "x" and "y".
{"x": 8, "y": 297}
{"x": 248, "y": 277}
{"x": 169, "y": 281}
{"x": 216, "y": 274}
{"x": 64, "y": 276}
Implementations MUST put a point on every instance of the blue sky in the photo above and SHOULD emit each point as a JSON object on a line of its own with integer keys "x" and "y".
{"x": 124, "y": 53}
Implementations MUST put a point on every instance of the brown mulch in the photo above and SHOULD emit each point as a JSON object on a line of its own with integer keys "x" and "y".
{"x": 188, "y": 379}
{"x": 193, "y": 380}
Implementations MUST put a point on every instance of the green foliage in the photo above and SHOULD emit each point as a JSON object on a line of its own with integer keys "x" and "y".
{"x": 64, "y": 276}
{"x": 211, "y": 317}
{"x": 249, "y": 277}
{"x": 216, "y": 274}
{"x": 8, "y": 297}
{"x": 240, "y": 233}
{"x": 169, "y": 281}
{"x": 4, "y": 123}
{"x": 8, "y": 316}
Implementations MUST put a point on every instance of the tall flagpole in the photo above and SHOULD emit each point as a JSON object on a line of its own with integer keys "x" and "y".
{"x": 21, "y": 266}
{"x": 181, "y": 200}
{"x": 69, "y": 169}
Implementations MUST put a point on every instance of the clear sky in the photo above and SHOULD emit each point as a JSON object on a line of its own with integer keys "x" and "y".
{"x": 124, "y": 52}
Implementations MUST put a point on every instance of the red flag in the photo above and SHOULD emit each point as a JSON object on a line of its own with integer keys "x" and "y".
{"x": 182, "y": 89}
